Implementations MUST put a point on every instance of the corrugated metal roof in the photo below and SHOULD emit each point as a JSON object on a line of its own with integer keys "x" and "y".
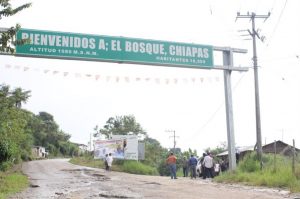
{"x": 238, "y": 149}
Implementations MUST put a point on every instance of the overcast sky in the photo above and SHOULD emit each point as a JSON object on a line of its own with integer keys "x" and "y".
{"x": 81, "y": 95}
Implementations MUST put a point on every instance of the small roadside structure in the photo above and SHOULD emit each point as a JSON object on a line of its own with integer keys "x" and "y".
{"x": 82, "y": 148}
{"x": 240, "y": 152}
{"x": 38, "y": 152}
{"x": 280, "y": 147}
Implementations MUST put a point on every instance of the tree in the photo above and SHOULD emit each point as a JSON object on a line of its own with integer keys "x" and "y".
{"x": 20, "y": 129}
{"x": 7, "y": 38}
{"x": 48, "y": 131}
{"x": 45, "y": 132}
{"x": 153, "y": 152}
{"x": 122, "y": 125}
{"x": 219, "y": 149}
{"x": 15, "y": 139}
{"x": 4, "y": 97}
{"x": 9, "y": 98}
{"x": 18, "y": 96}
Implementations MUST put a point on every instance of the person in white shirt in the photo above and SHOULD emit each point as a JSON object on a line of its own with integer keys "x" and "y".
{"x": 109, "y": 160}
{"x": 208, "y": 166}
{"x": 217, "y": 169}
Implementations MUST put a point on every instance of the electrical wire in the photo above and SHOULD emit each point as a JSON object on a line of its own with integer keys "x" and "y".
{"x": 277, "y": 23}
{"x": 217, "y": 110}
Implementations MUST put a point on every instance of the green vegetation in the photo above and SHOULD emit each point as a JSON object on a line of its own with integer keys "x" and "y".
{"x": 138, "y": 168}
{"x": 128, "y": 166}
{"x": 88, "y": 161}
{"x": 11, "y": 183}
{"x": 120, "y": 125}
{"x": 275, "y": 173}
{"x": 21, "y": 129}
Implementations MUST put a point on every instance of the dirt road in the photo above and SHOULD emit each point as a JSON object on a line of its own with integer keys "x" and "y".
{"x": 59, "y": 179}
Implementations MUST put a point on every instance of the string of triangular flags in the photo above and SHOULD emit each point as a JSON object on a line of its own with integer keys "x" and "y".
{"x": 118, "y": 78}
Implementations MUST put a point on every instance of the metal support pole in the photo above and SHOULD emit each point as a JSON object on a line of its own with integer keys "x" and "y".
{"x": 228, "y": 61}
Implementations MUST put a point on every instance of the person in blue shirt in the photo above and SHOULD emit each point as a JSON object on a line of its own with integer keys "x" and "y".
{"x": 193, "y": 164}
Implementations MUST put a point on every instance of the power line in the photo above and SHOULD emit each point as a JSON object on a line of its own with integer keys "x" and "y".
{"x": 218, "y": 109}
{"x": 277, "y": 23}
{"x": 273, "y": 5}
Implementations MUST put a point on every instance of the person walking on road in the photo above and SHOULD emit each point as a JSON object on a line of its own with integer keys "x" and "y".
{"x": 171, "y": 161}
{"x": 105, "y": 162}
{"x": 185, "y": 167}
{"x": 109, "y": 160}
{"x": 193, "y": 164}
{"x": 208, "y": 166}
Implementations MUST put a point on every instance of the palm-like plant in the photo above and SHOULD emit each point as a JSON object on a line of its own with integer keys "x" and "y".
{"x": 19, "y": 96}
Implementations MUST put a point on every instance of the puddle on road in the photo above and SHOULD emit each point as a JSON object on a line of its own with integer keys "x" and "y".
{"x": 155, "y": 183}
{"x": 112, "y": 196}
{"x": 88, "y": 172}
{"x": 101, "y": 177}
{"x": 34, "y": 186}
{"x": 76, "y": 170}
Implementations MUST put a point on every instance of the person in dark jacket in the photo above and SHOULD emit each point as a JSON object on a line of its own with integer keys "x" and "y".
{"x": 192, "y": 164}
{"x": 185, "y": 167}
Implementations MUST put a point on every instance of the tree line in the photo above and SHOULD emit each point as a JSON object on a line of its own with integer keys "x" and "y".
{"x": 21, "y": 129}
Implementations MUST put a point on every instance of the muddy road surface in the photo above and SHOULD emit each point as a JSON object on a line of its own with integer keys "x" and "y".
{"x": 59, "y": 179}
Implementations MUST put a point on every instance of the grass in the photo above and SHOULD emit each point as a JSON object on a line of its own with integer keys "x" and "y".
{"x": 87, "y": 161}
{"x": 138, "y": 168}
{"x": 274, "y": 173}
{"x": 11, "y": 183}
{"x": 128, "y": 166}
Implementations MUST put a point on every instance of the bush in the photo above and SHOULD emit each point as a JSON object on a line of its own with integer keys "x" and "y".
{"x": 276, "y": 172}
{"x": 8, "y": 154}
{"x": 163, "y": 169}
{"x": 249, "y": 164}
{"x": 25, "y": 156}
{"x": 4, "y": 166}
{"x": 5, "y": 151}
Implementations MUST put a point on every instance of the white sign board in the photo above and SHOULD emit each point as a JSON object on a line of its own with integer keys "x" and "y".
{"x": 130, "y": 145}
{"x": 115, "y": 147}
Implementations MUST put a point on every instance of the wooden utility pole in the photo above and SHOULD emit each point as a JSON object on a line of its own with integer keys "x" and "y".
{"x": 174, "y": 138}
{"x": 255, "y": 34}
{"x": 294, "y": 154}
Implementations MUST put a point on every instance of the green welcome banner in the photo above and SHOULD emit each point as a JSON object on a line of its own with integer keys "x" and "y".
{"x": 65, "y": 45}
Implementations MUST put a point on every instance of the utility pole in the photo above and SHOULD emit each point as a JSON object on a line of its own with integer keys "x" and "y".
{"x": 90, "y": 141}
{"x": 255, "y": 34}
{"x": 174, "y": 138}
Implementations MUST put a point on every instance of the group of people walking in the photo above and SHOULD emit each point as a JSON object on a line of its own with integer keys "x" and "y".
{"x": 205, "y": 166}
